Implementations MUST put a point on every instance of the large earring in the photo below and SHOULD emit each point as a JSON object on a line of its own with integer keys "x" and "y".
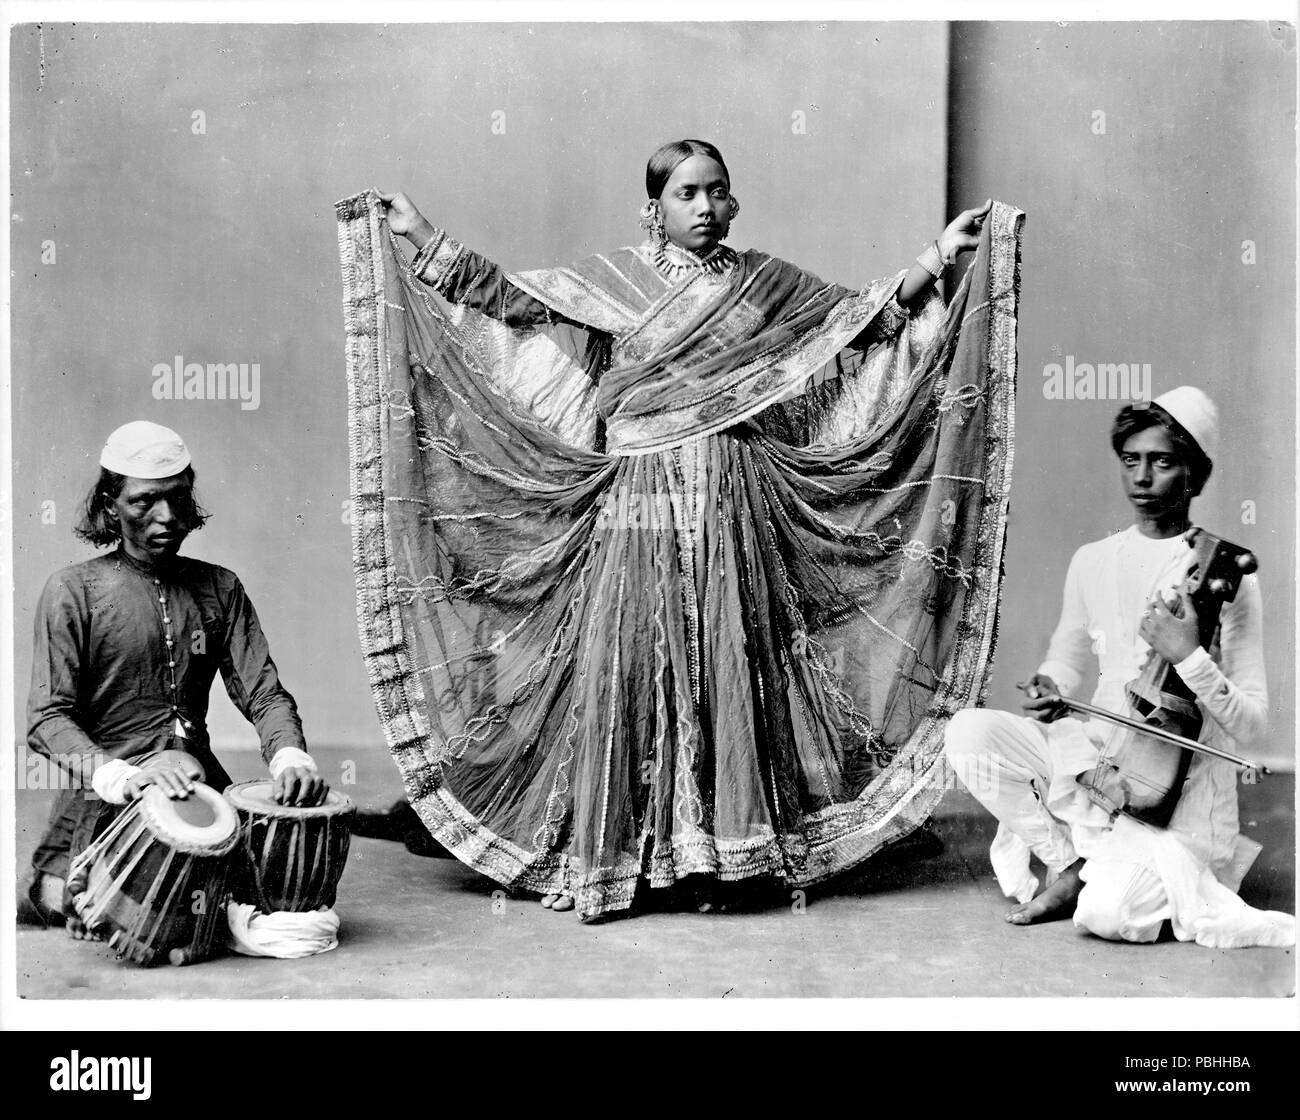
{"x": 733, "y": 208}
{"x": 652, "y": 221}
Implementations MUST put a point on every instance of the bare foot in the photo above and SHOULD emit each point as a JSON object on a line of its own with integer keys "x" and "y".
{"x": 78, "y": 932}
{"x": 1053, "y": 904}
{"x": 77, "y": 929}
{"x": 40, "y": 900}
{"x": 706, "y": 896}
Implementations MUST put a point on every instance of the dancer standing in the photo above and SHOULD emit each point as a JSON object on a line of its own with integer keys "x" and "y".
{"x": 673, "y": 563}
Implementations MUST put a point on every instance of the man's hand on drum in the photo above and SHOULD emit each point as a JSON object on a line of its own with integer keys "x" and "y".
{"x": 173, "y": 772}
{"x": 298, "y": 785}
{"x": 1042, "y": 699}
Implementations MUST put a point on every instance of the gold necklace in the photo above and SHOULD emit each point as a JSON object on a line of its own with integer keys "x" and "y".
{"x": 718, "y": 261}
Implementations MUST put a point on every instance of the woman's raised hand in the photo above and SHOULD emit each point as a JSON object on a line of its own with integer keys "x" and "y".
{"x": 963, "y": 231}
{"x": 405, "y": 219}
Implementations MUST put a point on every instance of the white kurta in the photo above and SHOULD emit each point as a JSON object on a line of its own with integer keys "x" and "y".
{"x": 1025, "y": 771}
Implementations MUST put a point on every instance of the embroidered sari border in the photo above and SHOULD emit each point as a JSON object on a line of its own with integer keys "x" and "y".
{"x": 771, "y": 377}
{"x": 827, "y": 843}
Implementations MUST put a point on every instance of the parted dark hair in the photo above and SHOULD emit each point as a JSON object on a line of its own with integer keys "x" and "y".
{"x": 659, "y": 168}
{"x": 1132, "y": 419}
{"x": 99, "y": 524}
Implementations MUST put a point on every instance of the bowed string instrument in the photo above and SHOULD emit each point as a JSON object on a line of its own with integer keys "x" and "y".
{"x": 1144, "y": 763}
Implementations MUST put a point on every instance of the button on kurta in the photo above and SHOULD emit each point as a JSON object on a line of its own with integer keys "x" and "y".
{"x": 140, "y": 695}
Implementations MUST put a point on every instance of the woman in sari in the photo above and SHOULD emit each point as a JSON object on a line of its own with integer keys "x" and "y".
{"x": 672, "y": 564}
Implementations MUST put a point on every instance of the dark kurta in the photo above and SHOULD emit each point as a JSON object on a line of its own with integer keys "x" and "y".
{"x": 107, "y": 684}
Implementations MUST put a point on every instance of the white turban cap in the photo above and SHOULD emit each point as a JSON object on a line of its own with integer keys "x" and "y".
{"x": 142, "y": 449}
{"x": 1196, "y": 413}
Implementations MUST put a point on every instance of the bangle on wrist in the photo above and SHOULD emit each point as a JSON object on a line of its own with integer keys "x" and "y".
{"x": 932, "y": 260}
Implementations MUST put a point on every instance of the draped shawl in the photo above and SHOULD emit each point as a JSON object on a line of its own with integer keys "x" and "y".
{"x": 665, "y": 569}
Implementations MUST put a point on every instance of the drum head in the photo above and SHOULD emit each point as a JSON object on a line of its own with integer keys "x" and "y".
{"x": 256, "y": 797}
{"x": 201, "y": 823}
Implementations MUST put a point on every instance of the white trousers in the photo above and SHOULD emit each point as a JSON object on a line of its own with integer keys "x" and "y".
{"x": 1016, "y": 767}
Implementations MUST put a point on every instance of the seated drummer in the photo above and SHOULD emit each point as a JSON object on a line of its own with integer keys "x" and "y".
{"x": 1121, "y": 880}
{"x": 127, "y": 645}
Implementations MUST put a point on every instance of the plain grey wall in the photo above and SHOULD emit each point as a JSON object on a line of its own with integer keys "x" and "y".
{"x": 1134, "y": 253}
{"x": 220, "y": 246}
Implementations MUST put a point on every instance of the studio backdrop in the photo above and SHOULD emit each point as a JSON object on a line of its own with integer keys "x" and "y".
{"x": 173, "y": 207}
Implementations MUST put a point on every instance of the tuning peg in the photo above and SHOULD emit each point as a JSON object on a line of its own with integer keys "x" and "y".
{"x": 1247, "y": 562}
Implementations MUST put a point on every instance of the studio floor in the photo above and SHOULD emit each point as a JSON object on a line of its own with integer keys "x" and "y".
{"x": 426, "y": 928}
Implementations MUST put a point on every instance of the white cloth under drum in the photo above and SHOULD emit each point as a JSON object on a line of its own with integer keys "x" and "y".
{"x": 283, "y": 933}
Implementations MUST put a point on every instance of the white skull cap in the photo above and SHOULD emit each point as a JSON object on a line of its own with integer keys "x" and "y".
{"x": 1196, "y": 414}
{"x": 142, "y": 449}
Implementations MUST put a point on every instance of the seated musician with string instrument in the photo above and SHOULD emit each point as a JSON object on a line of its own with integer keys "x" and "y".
{"x": 1133, "y": 812}
{"x": 127, "y": 645}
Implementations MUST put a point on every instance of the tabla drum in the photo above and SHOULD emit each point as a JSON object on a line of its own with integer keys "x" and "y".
{"x": 154, "y": 883}
{"x": 292, "y": 856}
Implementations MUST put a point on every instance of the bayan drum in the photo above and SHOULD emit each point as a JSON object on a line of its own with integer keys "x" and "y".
{"x": 293, "y": 855}
{"x": 154, "y": 884}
